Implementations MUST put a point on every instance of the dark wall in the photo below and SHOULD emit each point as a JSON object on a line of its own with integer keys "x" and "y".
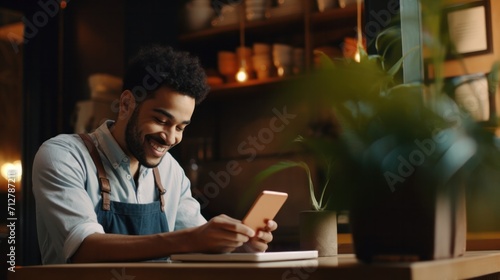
{"x": 152, "y": 21}
{"x": 93, "y": 43}
{"x": 42, "y": 112}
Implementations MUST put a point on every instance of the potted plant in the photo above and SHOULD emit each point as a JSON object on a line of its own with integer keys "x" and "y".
{"x": 402, "y": 156}
{"x": 323, "y": 140}
{"x": 317, "y": 226}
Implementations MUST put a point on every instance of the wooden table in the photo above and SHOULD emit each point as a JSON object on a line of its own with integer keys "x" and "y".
{"x": 345, "y": 266}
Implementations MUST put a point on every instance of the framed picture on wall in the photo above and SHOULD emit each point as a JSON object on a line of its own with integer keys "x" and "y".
{"x": 468, "y": 26}
{"x": 471, "y": 93}
{"x": 476, "y": 94}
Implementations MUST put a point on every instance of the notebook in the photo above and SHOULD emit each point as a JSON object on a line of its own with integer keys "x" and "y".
{"x": 246, "y": 257}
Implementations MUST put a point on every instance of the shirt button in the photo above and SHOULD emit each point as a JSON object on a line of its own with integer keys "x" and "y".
{"x": 128, "y": 177}
{"x": 125, "y": 159}
{"x": 115, "y": 165}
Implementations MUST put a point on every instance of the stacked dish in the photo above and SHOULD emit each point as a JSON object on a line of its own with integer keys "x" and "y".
{"x": 199, "y": 14}
{"x": 298, "y": 60}
{"x": 245, "y": 54}
{"x": 286, "y": 8}
{"x": 229, "y": 14}
{"x": 282, "y": 59}
{"x": 262, "y": 60}
{"x": 227, "y": 64}
{"x": 255, "y": 9}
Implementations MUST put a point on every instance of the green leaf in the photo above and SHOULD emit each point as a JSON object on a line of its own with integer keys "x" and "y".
{"x": 386, "y": 42}
{"x": 390, "y": 35}
{"x": 274, "y": 169}
{"x": 395, "y": 68}
{"x": 290, "y": 164}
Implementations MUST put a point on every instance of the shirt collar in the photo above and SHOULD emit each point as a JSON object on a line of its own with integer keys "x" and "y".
{"x": 109, "y": 146}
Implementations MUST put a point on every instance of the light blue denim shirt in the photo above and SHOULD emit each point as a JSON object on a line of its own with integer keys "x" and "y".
{"x": 66, "y": 191}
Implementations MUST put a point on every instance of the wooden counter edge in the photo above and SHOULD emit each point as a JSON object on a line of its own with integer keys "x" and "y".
{"x": 474, "y": 264}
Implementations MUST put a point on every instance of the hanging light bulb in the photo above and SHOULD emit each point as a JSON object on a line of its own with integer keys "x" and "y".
{"x": 242, "y": 75}
{"x": 359, "y": 45}
{"x": 357, "y": 56}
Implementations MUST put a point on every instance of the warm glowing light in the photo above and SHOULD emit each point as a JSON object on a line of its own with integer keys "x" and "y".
{"x": 242, "y": 75}
{"x": 12, "y": 170}
{"x": 357, "y": 56}
{"x": 281, "y": 71}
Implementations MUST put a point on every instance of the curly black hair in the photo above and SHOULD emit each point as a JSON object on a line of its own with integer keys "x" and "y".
{"x": 155, "y": 66}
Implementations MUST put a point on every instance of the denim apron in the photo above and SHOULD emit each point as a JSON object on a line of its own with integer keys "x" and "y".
{"x": 126, "y": 218}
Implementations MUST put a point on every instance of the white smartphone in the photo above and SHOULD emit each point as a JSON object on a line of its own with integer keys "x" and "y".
{"x": 265, "y": 207}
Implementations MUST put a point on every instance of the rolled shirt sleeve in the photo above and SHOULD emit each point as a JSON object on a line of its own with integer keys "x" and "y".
{"x": 64, "y": 211}
{"x": 183, "y": 211}
{"x": 189, "y": 208}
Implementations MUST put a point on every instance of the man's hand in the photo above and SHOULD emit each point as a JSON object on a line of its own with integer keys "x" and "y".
{"x": 222, "y": 234}
{"x": 258, "y": 243}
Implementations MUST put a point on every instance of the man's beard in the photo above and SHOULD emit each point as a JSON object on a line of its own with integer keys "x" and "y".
{"x": 133, "y": 140}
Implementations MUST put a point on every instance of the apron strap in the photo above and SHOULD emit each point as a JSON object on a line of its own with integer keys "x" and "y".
{"x": 160, "y": 187}
{"x": 101, "y": 172}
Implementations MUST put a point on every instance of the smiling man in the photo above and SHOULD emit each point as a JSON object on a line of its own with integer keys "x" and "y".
{"x": 117, "y": 194}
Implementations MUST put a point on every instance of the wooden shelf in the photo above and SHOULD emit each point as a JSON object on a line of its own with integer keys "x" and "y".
{"x": 305, "y": 29}
{"x": 271, "y": 24}
{"x": 334, "y": 15}
{"x": 236, "y": 85}
{"x": 251, "y": 86}
{"x": 207, "y": 33}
